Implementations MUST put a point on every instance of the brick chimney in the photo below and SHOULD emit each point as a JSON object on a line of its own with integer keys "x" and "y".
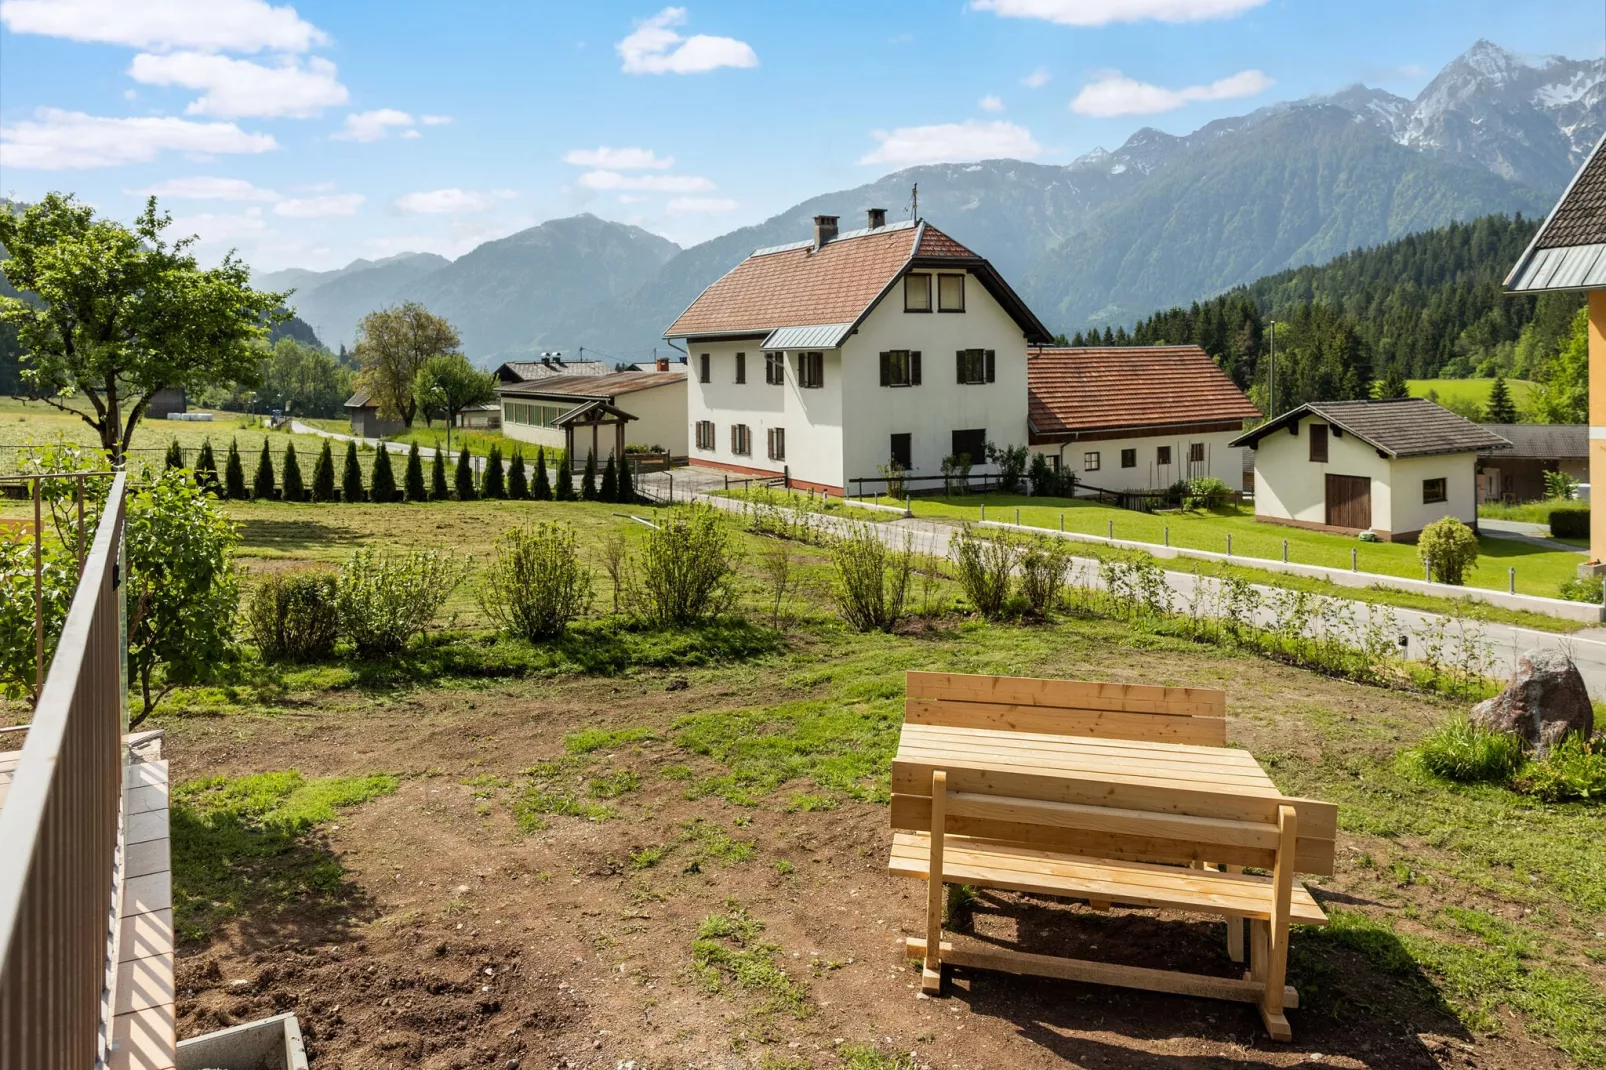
{"x": 662, "y": 364}
{"x": 878, "y": 217}
{"x": 824, "y": 229}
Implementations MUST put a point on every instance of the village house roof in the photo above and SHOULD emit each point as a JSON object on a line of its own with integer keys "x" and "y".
{"x": 1543, "y": 442}
{"x": 590, "y": 387}
{"x": 1569, "y": 252}
{"x": 518, "y": 371}
{"x": 1075, "y": 392}
{"x": 820, "y": 294}
{"x": 1399, "y": 427}
{"x": 362, "y": 399}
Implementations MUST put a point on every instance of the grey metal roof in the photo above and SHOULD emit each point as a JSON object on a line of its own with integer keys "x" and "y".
{"x": 1401, "y": 427}
{"x": 1569, "y": 251}
{"x": 841, "y": 235}
{"x": 813, "y": 336}
{"x": 1544, "y": 442}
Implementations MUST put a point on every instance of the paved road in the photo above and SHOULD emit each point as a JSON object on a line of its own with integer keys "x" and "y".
{"x": 1498, "y": 645}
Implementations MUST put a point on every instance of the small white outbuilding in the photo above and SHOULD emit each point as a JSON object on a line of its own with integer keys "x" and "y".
{"x": 1391, "y": 467}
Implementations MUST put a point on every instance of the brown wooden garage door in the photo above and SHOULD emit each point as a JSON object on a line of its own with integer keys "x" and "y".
{"x": 1349, "y": 501}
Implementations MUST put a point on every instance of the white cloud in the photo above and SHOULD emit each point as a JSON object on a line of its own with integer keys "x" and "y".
{"x": 991, "y": 102}
{"x": 696, "y": 205}
{"x": 1037, "y": 79}
{"x": 335, "y": 204}
{"x": 210, "y": 25}
{"x": 58, "y": 140}
{"x": 626, "y": 159}
{"x": 237, "y": 87}
{"x": 411, "y": 134}
{"x": 435, "y": 120}
{"x": 1104, "y": 12}
{"x": 222, "y": 227}
{"x": 654, "y": 183}
{"x": 1115, "y": 94}
{"x": 952, "y": 143}
{"x": 654, "y": 48}
{"x": 448, "y": 201}
{"x": 368, "y": 126}
{"x": 632, "y": 198}
{"x": 209, "y": 189}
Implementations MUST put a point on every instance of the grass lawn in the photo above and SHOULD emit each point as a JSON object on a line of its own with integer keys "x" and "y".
{"x": 1467, "y": 391}
{"x": 664, "y": 846}
{"x": 1533, "y": 512}
{"x": 1539, "y": 571}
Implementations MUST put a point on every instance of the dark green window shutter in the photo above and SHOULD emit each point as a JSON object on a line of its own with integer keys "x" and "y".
{"x": 990, "y": 363}
{"x": 914, "y": 368}
{"x": 886, "y": 369}
{"x": 959, "y": 361}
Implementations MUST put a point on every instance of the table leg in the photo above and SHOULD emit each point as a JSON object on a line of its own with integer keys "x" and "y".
{"x": 1235, "y": 928}
{"x": 1271, "y": 1000}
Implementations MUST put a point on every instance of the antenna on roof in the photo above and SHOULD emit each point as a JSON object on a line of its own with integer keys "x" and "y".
{"x": 914, "y": 203}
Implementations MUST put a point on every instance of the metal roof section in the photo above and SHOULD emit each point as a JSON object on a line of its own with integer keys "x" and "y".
{"x": 808, "y": 243}
{"x": 814, "y": 336}
{"x": 1569, "y": 251}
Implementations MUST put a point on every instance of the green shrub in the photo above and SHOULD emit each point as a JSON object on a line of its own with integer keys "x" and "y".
{"x": 323, "y": 475}
{"x": 382, "y": 481}
{"x": 535, "y": 584}
{"x": 293, "y": 616}
{"x": 351, "y": 477}
{"x": 564, "y": 490}
{"x": 1042, "y": 572}
{"x": 872, "y": 579}
{"x": 234, "y": 473}
{"x": 984, "y": 567}
{"x": 518, "y": 482}
{"x": 588, "y": 478}
{"x": 1560, "y": 486}
{"x": 542, "y": 490}
{"x": 58, "y": 578}
{"x": 1011, "y": 463}
{"x": 464, "y": 477}
{"x": 1574, "y": 769}
{"x": 1569, "y": 523}
{"x": 437, "y": 477}
{"x": 294, "y": 490}
{"x": 1582, "y": 590}
{"x": 1470, "y": 753}
{"x": 1449, "y": 548}
{"x": 206, "y": 468}
{"x": 262, "y": 488}
{"x": 685, "y": 570}
{"x": 627, "y": 484}
{"x": 385, "y": 601}
{"x": 493, "y": 485}
{"x": 413, "y": 481}
{"x": 610, "y": 481}
{"x": 175, "y": 455}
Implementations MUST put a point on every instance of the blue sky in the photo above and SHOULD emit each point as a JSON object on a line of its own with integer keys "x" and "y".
{"x": 307, "y": 135}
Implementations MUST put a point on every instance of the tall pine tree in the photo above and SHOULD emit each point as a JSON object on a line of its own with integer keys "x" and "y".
{"x": 437, "y": 477}
{"x": 1393, "y": 386}
{"x": 518, "y": 484}
{"x": 382, "y": 483}
{"x": 492, "y": 485}
{"x": 323, "y": 475}
{"x": 609, "y": 491}
{"x": 1500, "y": 409}
{"x": 542, "y": 491}
{"x": 294, "y": 490}
{"x": 413, "y": 482}
{"x": 234, "y": 473}
{"x": 588, "y": 478}
{"x": 627, "y": 487}
{"x": 564, "y": 491}
{"x": 465, "y": 477}
{"x": 351, "y": 476}
{"x": 262, "y": 482}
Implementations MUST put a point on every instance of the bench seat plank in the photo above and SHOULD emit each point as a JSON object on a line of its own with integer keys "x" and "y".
{"x": 1224, "y": 758}
{"x": 992, "y": 864}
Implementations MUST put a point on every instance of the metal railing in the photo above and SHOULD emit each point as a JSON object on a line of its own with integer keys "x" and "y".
{"x": 61, "y": 827}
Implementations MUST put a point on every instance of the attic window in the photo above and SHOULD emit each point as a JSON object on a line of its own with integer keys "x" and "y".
{"x": 917, "y": 293}
{"x": 950, "y": 293}
{"x": 1318, "y": 443}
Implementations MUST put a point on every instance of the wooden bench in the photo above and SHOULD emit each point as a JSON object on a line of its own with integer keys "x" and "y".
{"x": 1115, "y": 794}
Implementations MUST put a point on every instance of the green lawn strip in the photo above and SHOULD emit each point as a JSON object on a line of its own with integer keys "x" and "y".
{"x": 1467, "y": 391}
{"x": 40, "y": 426}
{"x": 1539, "y": 571}
{"x": 241, "y": 845}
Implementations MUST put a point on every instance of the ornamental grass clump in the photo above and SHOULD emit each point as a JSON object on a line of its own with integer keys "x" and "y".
{"x": 1469, "y": 753}
{"x": 293, "y": 616}
{"x": 385, "y": 600}
{"x": 872, "y": 579}
{"x": 535, "y": 585}
{"x": 1574, "y": 770}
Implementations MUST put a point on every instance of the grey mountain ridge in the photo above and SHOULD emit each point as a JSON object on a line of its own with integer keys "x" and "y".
{"x": 1114, "y": 235}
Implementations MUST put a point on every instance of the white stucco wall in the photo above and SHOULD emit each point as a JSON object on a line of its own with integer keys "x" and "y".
{"x": 660, "y": 421}
{"x": 812, "y": 417}
{"x": 1222, "y": 461}
{"x": 1289, "y": 486}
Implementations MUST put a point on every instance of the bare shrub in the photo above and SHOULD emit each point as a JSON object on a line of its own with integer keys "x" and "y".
{"x": 535, "y": 584}
{"x": 1043, "y": 565}
{"x": 984, "y": 567}
{"x": 776, "y": 562}
{"x": 872, "y": 579}
{"x": 686, "y": 569}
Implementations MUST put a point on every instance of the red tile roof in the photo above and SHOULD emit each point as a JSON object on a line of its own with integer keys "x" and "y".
{"x": 796, "y": 286}
{"x": 591, "y": 386}
{"x": 1073, "y": 390}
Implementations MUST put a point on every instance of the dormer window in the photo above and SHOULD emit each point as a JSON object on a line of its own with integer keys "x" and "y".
{"x": 950, "y": 293}
{"x": 917, "y": 293}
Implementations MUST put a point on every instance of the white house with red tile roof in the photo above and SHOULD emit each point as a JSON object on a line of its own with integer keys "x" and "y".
{"x": 1136, "y": 418}
{"x": 829, "y": 358}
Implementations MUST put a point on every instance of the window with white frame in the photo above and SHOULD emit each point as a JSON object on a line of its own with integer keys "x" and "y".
{"x": 950, "y": 293}
{"x": 811, "y": 370}
{"x": 741, "y": 440}
{"x": 705, "y": 434}
{"x": 917, "y": 293}
{"x": 775, "y": 369}
{"x": 777, "y": 443}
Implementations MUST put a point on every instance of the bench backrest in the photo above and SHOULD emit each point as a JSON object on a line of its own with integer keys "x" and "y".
{"x": 1192, "y": 715}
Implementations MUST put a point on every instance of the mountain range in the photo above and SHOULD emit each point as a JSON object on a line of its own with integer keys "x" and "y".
{"x": 1162, "y": 220}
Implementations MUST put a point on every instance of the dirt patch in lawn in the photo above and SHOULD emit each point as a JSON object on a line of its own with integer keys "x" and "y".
{"x": 531, "y": 896}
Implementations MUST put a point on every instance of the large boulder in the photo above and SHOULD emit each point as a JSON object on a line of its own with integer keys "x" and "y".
{"x": 1545, "y": 700}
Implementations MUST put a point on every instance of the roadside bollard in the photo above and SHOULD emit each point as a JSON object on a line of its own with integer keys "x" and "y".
{"x": 1168, "y": 534}
{"x": 1427, "y": 572}
{"x": 1285, "y": 551}
{"x": 1112, "y": 531}
{"x": 984, "y": 512}
{"x": 1354, "y": 557}
{"x": 1017, "y": 516}
{"x": 1062, "y": 523}
{"x": 1229, "y": 545}
{"x": 1511, "y": 579}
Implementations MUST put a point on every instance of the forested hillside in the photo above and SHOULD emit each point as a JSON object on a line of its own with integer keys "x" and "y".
{"x": 1424, "y": 306}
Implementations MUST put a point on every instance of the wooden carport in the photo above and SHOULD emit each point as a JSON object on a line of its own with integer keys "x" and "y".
{"x": 594, "y": 414}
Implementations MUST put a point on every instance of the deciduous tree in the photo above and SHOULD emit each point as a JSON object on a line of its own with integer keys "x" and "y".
{"x": 451, "y": 384}
{"x": 392, "y": 345}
